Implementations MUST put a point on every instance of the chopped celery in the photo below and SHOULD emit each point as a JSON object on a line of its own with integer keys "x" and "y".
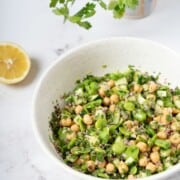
{"x": 165, "y": 153}
{"x": 71, "y": 158}
{"x": 101, "y": 122}
{"x": 177, "y": 103}
{"x": 124, "y": 131}
{"x": 162, "y": 143}
{"x": 132, "y": 151}
{"x": 118, "y": 147}
{"x": 116, "y": 117}
{"x": 93, "y": 104}
{"x": 79, "y": 121}
{"x": 122, "y": 81}
{"x": 133, "y": 170}
{"x": 104, "y": 135}
{"x": 140, "y": 115}
{"x": 161, "y": 93}
{"x": 129, "y": 106}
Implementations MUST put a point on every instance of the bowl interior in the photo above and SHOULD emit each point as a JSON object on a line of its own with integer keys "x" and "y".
{"x": 117, "y": 54}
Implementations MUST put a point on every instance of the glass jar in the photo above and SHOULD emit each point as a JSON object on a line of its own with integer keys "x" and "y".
{"x": 144, "y": 9}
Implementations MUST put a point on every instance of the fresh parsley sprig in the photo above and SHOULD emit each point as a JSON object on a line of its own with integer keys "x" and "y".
{"x": 63, "y": 7}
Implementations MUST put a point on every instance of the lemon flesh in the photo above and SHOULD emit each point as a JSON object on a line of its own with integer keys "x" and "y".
{"x": 14, "y": 63}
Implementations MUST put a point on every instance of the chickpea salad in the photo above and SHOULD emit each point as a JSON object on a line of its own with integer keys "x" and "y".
{"x": 123, "y": 125}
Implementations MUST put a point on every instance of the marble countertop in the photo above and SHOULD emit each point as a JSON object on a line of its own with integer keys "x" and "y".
{"x": 45, "y": 37}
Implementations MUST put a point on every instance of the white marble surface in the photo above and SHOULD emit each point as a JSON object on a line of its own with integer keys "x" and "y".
{"x": 42, "y": 34}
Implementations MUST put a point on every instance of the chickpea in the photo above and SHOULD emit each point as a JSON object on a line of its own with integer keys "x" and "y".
{"x": 142, "y": 146}
{"x": 110, "y": 168}
{"x": 151, "y": 96}
{"x": 175, "y": 111}
{"x": 114, "y": 98}
{"x": 162, "y": 135}
{"x": 152, "y": 87}
{"x": 175, "y": 139}
{"x": 175, "y": 98}
{"x": 129, "y": 124}
{"x": 78, "y": 109}
{"x": 163, "y": 120}
{"x": 143, "y": 161}
{"x": 86, "y": 157}
{"x": 178, "y": 147}
{"x": 111, "y": 83}
{"x": 80, "y": 161}
{"x": 101, "y": 164}
{"x": 132, "y": 142}
{"x": 87, "y": 119}
{"x": 112, "y": 107}
{"x": 157, "y": 118}
{"x": 155, "y": 148}
{"x": 90, "y": 165}
{"x": 150, "y": 166}
{"x": 175, "y": 126}
{"x": 154, "y": 156}
{"x": 159, "y": 167}
{"x": 70, "y": 136}
{"x": 106, "y": 101}
{"x": 75, "y": 128}
{"x": 137, "y": 88}
{"x": 122, "y": 168}
{"x": 167, "y": 111}
{"x": 66, "y": 122}
{"x": 131, "y": 177}
{"x": 102, "y": 91}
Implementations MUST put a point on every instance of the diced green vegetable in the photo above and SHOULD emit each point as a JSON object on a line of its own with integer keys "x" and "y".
{"x": 150, "y": 131}
{"x": 177, "y": 103}
{"x": 133, "y": 170}
{"x": 118, "y": 147}
{"x": 165, "y": 153}
{"x": 71, "y": 143}
{"x": 152, "y": 140}
{"x": 93, "y": 104}
{"x": 129, "y": 106}
{"x": 140, "y": 115}
{"x": 101, "y": 122}
{"x": 163, "y": 143}
{"x": 79, "y": 121}
{"x": 71, "y": 158}
{"x": 116, "y": 117}
{"x": 161, "y": 93}
{"x": 124, "y": 131}
{"x": 104, "y": 135}
{"x": 132, "y": 151}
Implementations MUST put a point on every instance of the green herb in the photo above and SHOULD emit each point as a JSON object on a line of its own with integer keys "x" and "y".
{"x": 168, "y": 117}
{"x": 81, "y": 17}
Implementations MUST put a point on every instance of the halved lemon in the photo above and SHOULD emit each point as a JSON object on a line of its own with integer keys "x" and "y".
{"x": 14, "y": 63}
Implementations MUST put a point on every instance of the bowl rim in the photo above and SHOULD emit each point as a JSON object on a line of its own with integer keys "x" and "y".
{"x": 61, "y": 58}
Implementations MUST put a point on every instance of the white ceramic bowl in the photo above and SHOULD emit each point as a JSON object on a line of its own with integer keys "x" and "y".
{"x": 117, "y": 54}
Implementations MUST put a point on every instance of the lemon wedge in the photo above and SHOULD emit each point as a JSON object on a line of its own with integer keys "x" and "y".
{"x": 14, "y": 63}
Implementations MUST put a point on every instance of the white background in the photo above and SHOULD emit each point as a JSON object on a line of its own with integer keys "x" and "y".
{"x": 31, "y": 24}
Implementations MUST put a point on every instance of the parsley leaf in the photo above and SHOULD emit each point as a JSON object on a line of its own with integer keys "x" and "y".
{"x": 64, "y": 7}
